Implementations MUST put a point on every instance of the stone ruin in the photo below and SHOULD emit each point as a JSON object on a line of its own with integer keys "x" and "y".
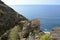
{"x": 14, "y": 26}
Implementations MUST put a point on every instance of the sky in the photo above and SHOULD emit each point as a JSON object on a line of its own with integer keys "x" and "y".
{"x": 24, "y": 2}
{"x": 50, "y": 11}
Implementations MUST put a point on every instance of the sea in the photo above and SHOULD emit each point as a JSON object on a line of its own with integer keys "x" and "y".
{"x": 49, "y": 15}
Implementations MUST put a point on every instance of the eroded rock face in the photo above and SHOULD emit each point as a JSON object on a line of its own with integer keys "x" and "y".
{"x": 8, "y": 18}
{"x": 31, "y": 29}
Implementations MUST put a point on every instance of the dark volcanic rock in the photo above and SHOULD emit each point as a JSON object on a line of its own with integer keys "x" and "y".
{"x": 8, "y": 18}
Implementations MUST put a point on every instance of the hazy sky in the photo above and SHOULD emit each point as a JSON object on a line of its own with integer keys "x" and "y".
{"x": 37, "y": 11}
{"x": 19, "y": 2}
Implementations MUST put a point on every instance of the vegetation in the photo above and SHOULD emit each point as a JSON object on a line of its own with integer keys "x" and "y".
{"x": 13, "y": 33}
{"x": 45, "y": 37}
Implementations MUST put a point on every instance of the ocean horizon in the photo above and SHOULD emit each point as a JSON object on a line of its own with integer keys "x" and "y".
{"x": 49, "y": 15}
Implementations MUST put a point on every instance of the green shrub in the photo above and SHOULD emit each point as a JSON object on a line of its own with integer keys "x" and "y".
{"x": 45, "y": 37}
{"x": 13, "y": 33}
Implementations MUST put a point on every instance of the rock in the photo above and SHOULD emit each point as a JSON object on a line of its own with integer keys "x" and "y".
{"x": 35, "y": 25}
{"x": 55, "y": 33}
{"x": 25, "y": 30}
{"x": 31, "y": 37}
{"x": 37, "y": 37}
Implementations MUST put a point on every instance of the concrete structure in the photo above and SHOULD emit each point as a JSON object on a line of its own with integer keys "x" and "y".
{"x": 55, "y": 33}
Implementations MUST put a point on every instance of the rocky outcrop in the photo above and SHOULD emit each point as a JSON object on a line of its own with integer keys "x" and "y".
{"x": 55, "y": 33}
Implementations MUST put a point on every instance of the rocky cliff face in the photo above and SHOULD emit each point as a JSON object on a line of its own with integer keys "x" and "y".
{"x": 13, "y": 24}
{"x": 8, "y": 18}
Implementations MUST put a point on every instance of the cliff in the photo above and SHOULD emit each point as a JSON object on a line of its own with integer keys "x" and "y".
{"x": 8, "y": 18}
{"x": 14, "y": 26}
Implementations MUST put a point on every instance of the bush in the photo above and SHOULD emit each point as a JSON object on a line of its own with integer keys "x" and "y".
{"x": 45, "y": 37}
{"x": 13, "y": 35}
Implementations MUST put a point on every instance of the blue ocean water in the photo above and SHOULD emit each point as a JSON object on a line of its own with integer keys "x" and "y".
{"x": 49, "y": 15}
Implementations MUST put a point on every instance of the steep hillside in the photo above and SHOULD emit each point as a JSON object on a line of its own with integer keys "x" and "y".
{"x": 8, "y": 18}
